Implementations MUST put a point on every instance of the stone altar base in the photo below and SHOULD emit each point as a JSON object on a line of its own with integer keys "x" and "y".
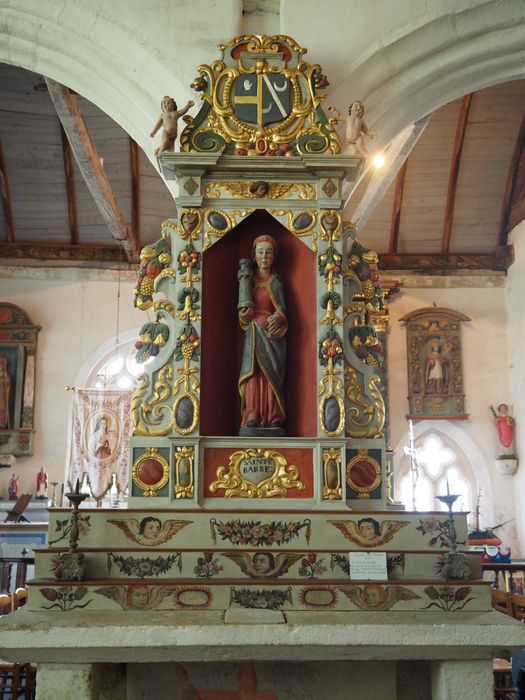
{"x": 154, "y": 655}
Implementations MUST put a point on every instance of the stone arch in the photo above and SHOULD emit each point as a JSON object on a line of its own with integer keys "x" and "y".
{"x": 120, "y": 61}
{"x": 439, "y": 61}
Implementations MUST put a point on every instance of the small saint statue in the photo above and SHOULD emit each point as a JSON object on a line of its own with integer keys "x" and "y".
{"x": 262, "y": 317}
{"x": 12, "y": 489}
{"x": 505, "y": 425}
{"x": 168, "y": 120}
{"x": 41, "y": 484}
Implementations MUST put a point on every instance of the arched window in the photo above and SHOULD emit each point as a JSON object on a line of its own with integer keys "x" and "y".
{"x": 114, "y": 365}
{"x": 440, "y": 466}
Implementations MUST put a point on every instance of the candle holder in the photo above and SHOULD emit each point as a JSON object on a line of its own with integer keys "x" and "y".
{"x": 72, "y": 564}
{"x": 455, "y": 565}
{"x": 53, "y": 503}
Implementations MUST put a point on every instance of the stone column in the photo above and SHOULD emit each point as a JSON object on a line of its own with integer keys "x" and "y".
{"x": 468, "y": 680}
{"x": 81, "y": 681}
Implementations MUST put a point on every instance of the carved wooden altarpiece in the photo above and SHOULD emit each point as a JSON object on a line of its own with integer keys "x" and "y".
{"x": 18, "y": 343}
{"x": 260, "y": 157}
{"x": 435, "y": 369}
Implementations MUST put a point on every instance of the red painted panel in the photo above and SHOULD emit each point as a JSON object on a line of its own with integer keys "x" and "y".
{"x": 301, "y": 458}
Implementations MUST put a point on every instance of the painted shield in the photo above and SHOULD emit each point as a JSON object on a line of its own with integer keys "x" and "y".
{"x": 261, "y": 99}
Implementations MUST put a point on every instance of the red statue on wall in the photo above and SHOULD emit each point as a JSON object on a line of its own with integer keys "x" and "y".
{"x": 505, "y": 425}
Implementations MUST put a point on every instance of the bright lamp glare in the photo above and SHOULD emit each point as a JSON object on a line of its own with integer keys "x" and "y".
{"x": 114, "y": 366}
{"x": 124, "y": 383}
{"x": 378, "y": 160}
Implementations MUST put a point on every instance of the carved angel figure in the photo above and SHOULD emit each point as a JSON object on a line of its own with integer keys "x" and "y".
{"x": 263, "y": 564}
{"x": 150, "y": 531}
{"x": 368, "y": 532}
{"x": 377, "y": 597}
{"x": 136, "y": 597}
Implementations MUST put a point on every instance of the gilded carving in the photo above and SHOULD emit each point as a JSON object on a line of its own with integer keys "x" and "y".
{"x": 257, "y": 473}
{"x": 366, "y": 413}
{"x": 148, "y": 415}
{"x": 330, "y": 226}
{"x": 144, "y": 475}
{"x": 331, "y": 406}
{"x": 255, "y": 190}
{"x": 218, "y": 223}
{"x": 261, "y": 98}
{"x": 372, "y": 482}
{"x": 189, "y": 225}
{"x": 332, "y": 474}
{"x": 184, "y": 465}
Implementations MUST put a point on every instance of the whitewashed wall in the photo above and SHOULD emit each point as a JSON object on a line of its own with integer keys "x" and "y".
{"x": 77, "y": 310}
{"x": 516, "y": 340}
{"x": 486, "y": 382}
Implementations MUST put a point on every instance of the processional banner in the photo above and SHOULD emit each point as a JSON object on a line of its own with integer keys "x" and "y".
{"x": 101, "y": 438}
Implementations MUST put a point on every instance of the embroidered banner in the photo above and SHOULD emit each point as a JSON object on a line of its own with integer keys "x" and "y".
{"x": 101, "y": 438}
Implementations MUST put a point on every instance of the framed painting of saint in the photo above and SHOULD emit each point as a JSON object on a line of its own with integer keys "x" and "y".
{"x": 435, "y": 369}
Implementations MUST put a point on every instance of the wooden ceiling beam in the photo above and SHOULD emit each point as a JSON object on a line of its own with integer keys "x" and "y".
{"x": 6, "y": 197}
{"x": 61, "y": 252}
{"x": 70, "y": 187}
{"x": 437, "y": 263}
{"x": 513, "y": 204}
{"x": 395, "y": 156}
{"x": 134, "y": 155}
{"x": 396, "y": 209}
{"x": 455, "y": 163}
{"x": 88, "y": 161}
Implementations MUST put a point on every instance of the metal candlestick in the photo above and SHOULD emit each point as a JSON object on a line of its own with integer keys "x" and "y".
{"x": 72, "y": 564}
{"x": 53, "y": 503}
{"x": 449, "y": 499}
{"x": 455, "y": 564}
{"x": 75, "y": 498}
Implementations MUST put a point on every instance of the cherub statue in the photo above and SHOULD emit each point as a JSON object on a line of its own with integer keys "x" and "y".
{"x": 356, "y": 127}
{"x": 169, "y": 121}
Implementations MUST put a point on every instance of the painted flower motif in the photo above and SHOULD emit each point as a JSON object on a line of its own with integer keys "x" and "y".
{"x": 311, "y": 567}
{"x": 266, "y": 599}
{"x": 207, "y": 566}
{"x": 256, "y": 534}
{"x": 447, "y": 598}
{"x": 144, "y": 566}
{"x": 65, "y": 598}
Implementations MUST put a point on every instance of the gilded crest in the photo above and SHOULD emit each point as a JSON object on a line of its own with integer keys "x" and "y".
{"x": 261, "y": 98}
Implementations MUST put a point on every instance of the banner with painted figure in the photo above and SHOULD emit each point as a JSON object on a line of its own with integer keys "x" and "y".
{"x": 101, "y": 439}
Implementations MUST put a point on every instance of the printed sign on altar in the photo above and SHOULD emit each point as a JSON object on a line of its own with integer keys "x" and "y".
{"x": 101, "y": 438}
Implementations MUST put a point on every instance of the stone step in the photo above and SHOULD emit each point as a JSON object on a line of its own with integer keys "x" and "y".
{"x": 241, "y": 564}
{"x": 451, "y": 597}
{"x": 214, "y": 530}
